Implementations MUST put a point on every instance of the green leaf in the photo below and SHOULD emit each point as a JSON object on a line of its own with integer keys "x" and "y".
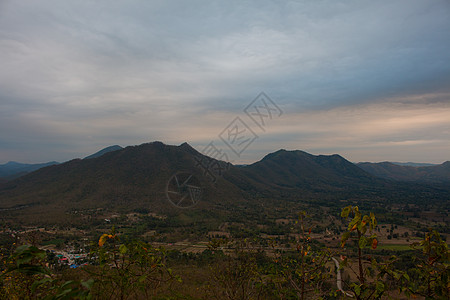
{"x": 353, "y": 223}
{"x": 380, "y": 287}
{"x": 362, "y": 242}
{"x": 345, "y": 212}
{"x": 344, "y": 238}
{"x": 123, "y": 249}
{"x": 357, "y": 290}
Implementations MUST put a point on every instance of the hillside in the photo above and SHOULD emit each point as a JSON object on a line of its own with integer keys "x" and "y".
{"x": 122, "y": 180}
{"x": 302, "y": 170}
{"x": 104, "y": 151}
{"x": 14, "y": 169}
{"x": 136, "y": 178}
{"x": 429, "y": 174}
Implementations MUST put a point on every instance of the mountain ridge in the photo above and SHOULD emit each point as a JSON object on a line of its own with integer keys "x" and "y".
{"x": 391, "y": 171}
{"x": 12, "y": 169}
{"x": 104, "y": 151}
{"x": 137, "y": 177}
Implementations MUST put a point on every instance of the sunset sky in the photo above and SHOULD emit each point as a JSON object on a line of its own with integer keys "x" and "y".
{"x": 369, "y": 80}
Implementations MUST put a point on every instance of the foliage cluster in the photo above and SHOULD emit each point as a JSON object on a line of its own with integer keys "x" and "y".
{"x": 127, "y": 268}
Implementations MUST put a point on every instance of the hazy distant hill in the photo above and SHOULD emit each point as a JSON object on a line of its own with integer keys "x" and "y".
{"x": 14, "y": 169}
{"x": 137, "y": 177}
{"x": 300, "y": 169}
{"x": 104, "y": 151}
{"x": 326, "y": 179}
{"x": 430, "y": 174}
{"x": 413, "y": 164}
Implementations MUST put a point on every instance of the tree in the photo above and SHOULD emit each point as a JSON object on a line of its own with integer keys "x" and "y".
{"x": 132, "y": 268}
{"x": 358, "y": 230}
{"x": 432, "y": 271}
{"x": 304, "y": 270}
{"x": 27, "y": 276}
{"x": 236, "y": 275}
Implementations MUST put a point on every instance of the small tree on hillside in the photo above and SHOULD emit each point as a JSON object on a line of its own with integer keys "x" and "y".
{"x": 432, "y": 270}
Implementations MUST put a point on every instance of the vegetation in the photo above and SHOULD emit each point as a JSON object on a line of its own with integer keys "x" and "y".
{"x": 121, "y": 266}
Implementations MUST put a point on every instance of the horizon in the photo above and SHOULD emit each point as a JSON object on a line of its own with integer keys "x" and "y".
{"x": 234, "y": 163}
{"x": 369, "y": 81}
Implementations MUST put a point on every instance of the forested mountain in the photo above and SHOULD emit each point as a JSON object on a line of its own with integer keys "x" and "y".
{"x": 430, "y": 174}
{"x": 137, "y": 177}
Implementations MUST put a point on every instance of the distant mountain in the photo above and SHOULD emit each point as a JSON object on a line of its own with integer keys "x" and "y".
{"x": 325, "y": 179}
{"x": 14, "y": 169}
{"x": 131, "y": 178}
{"x": 136, "y": 177}
{"x": 298, "y": 169}
{"x": 392, "y": 171}
{"x": 413, "y": 164}
{"x": 104, "y": 151}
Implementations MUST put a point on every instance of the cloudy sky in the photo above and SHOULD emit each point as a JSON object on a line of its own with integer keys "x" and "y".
{"x": 369, "y": 80}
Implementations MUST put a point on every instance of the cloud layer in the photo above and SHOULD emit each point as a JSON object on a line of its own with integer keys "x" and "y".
{"x": 367, "y": 79}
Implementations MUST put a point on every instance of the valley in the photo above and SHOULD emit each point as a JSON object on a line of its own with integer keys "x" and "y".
{"x": 272, "y": 208}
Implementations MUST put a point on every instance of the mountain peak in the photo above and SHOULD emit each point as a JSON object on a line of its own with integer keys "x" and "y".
{"x": 104, "y": 151}
{"x": 186, "y": 147}
{"x": 283, "y": 153}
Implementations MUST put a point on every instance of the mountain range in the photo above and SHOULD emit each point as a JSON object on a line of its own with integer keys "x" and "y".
{"x": 429, "y": 174}
{"x": 14, "y": 169}
{"x": 137, "y": 177}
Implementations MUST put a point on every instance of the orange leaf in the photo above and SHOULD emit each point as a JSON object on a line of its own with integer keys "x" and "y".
{"x": 374, "y": 244}
{"x": 102, "y": 240}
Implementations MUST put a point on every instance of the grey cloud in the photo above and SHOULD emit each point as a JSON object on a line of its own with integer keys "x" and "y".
{"x": 163, "y": 64}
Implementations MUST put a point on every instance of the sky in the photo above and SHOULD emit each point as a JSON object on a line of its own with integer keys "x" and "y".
{"x": 369, "y": 80}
